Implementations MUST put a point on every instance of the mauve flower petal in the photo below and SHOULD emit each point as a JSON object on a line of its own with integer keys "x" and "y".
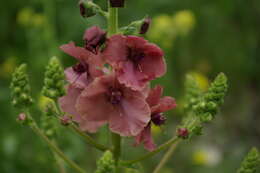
{"x": 166, "y": 103}
{"x": 78, "y": 80}
{"x": 95, "y": 62}
{"x": 115, "y": 50}
{"x": 154, "y": 95}
{"x": 67, "y": 102}
{"x": 131, "y": 118}
{"x": 146, "y": 138}
{"x": 91, "y": 126}
{"x": 79, "y": 53}
{"x": 132, "y": 78}
{"x": 136, "y": 42}
{"x": 153, "y": 64}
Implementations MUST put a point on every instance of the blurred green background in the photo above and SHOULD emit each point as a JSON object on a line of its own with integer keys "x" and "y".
{"x": 199, "y": 37}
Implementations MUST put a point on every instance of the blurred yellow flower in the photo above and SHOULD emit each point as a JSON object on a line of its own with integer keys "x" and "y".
{"x": 24, "y": 16}
{"x": 202, "y": 80}
{"x": 162, "y": 31}
{"x": 27, "y": 17}
{"x": 43, "y": 102}
{"x": 184, "y": 21}
{"x": 207, "y": 156}
{"x": 156, "y": 130}
{"x": 38, "y": 20}
{"x": 7, "y": 67}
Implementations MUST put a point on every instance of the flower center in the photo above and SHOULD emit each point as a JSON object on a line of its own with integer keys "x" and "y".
{"x": 114, "y": 96}
{"x": 135, "y": 55}
{"x": 158, "y": 119}
{"x": 80, "y": 68}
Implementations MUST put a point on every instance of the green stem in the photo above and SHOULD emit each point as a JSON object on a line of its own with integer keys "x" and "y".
{"x": 89, "y": 139}
{"x": 166, "y": 157}
{"x": 112, "y": 29}
{"x": 162, "y": 147}
{"x": 38, "y": 131}
{"x": 112, "y": 21}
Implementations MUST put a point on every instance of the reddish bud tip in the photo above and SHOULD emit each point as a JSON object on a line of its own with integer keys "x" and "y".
{"x": 85, "y": 9}
{"x": 21, "y": 117}
{"x": 145, "y": 25}
{"x": 117, "y": 3}
{"x": 183, "y": 133}
{"x": 65, "y": 120}
{"x": 94, "y": 37}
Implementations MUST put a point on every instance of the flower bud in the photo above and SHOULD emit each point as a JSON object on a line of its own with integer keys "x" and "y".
{"x": 21, "y": 117}
{"x": 65, "y": 120}
{"x": 86, "y": 8}
{"x": 117, "y": 3}
{"x": 145, "y": 25}
{"x": 251, "y": 162}
{"x": 106, "y": 164}
{"x": 54, "y": 80}
{"x": 183, "y": 133}
{"x": 94, "y": 37}
{"x": 213, "y": 98}
{"x": 20, "y": 88}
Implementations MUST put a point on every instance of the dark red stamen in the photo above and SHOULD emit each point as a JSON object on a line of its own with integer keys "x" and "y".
{"x": 114, "y": 96}
{"x": 158, "y": 119}
{"x": 80, "y": 68}
{"x": 135, "y": 55}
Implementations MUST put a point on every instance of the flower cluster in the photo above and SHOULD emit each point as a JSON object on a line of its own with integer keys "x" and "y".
{"x": 112, "y": 85}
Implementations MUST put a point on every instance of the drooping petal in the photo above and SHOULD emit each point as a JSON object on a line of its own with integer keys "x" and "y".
{"x": 95, "y": 62}
{"x": 79, "y": 53}
{"x": 78, "y": 80}
{"x": 165, "y": 104}
{"x": 146, "y": 138}
{"x": 116, "y": 50}
{"x": 154, "y": 95}
{"x": 153, "y": 63}
{"x": 67, "y": 102}
{"x": 132, "y": 117}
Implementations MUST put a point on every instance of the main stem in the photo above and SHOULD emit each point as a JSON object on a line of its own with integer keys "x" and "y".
{"x": 112, "y": 29}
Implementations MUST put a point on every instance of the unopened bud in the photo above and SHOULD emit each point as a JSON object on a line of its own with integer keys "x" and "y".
{"x": 117, "y": 3}
{"x": 86, "y": 9}
{"x": 183, "y": 133}
{"x": 21, "y": 117}
{"x": 65, "y": 120}
{"x": 94, "y": 38}
{"x": 145, "y": 25}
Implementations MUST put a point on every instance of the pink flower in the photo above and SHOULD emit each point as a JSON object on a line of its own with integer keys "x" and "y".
{"x": 68, "y": 105}
{"x": 89, "y": 65}
{"x": 158, "y": 105}
{"x": 94, "y": 37}
{"x": 135, "y": 60}
{"x": 105, "y": 100}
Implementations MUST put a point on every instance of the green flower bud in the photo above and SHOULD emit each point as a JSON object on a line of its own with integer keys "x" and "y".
{"x": 192, "y": 91}
{"x": 106, "y": 164}
{"x": 54, "y": 80}
{"x": 250, "y": 162}
{"x": 212, "y": 99}
{"x": 217, "y": 90}
{"x": 137, "y": 27}
{"x": 88, "y": 9}
{"x": 20, "y": 88}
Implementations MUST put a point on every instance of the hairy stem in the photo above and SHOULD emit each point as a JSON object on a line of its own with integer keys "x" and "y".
{"x": 53, "y": 147}
{"x": 89, "y": 139}
{"x": 162, "y": 147}
{"x": 166, "y": 157}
